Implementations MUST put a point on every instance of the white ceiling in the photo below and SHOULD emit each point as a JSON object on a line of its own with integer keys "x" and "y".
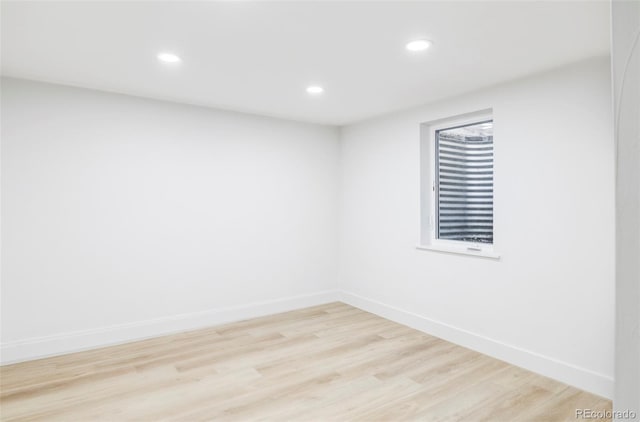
{"x": 258, "y": 57}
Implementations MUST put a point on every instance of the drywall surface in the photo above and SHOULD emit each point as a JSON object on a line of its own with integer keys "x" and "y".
{"x": 626, "y": 89}
{"x": 548, "y": 303}
{"x": 118, "y": 211}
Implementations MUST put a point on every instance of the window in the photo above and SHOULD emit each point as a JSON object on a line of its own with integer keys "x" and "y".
{"x": 457, "y": 184}
{"x": 464, "y": 183}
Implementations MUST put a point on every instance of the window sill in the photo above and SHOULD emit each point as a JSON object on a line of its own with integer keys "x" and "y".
{"x": 459, "y": 251}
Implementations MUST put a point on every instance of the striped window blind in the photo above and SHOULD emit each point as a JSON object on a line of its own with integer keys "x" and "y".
{"x": 464, "y": 183}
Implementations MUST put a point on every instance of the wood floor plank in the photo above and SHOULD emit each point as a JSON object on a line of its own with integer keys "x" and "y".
{"x": 328, "y": 362}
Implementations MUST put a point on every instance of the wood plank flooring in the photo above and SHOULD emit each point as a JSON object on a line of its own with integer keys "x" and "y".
{"x": 327, "y": 363}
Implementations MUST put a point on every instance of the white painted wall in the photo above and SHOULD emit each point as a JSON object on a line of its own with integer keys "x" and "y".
{"x": 625, "y": 53}
{"x": 124, "y": 217}
{"x": 548, "y": 303}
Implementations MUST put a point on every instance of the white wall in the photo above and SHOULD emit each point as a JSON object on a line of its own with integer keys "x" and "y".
{"x": 548, "y": 303}
{"x": 625, "y": 27}
{"x": 124, "y": 217}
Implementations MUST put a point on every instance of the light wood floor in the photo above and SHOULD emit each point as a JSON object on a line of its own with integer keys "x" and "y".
{"x": 330, "y": 362}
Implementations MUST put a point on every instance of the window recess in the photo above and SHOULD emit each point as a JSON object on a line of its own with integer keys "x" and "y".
{"x": 457, "y": 183}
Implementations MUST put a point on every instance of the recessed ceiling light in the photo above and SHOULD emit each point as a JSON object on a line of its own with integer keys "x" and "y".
{"x": 418, "y": 45}
{"x": 315, "y": 89}
{"x": 169, "y": 58}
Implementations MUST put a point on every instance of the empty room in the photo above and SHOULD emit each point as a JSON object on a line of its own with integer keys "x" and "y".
{"x": 320, "y": 211}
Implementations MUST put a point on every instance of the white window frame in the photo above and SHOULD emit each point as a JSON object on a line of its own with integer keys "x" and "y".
{"x": 428, "y": 237}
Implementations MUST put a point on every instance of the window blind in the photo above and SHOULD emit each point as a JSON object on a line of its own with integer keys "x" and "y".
{"x": 464, "y": 183}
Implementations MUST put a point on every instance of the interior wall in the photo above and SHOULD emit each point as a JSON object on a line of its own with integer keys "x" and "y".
{"x": 98, "y": 190}
{"x": 548, "y": 303}
{"x": 125, "y": 217}
{"x": 625, "y": 52}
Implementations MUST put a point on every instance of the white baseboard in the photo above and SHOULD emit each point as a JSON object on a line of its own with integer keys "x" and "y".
{"x": 58, "y": 344}
{"x": 565, "y": 372}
